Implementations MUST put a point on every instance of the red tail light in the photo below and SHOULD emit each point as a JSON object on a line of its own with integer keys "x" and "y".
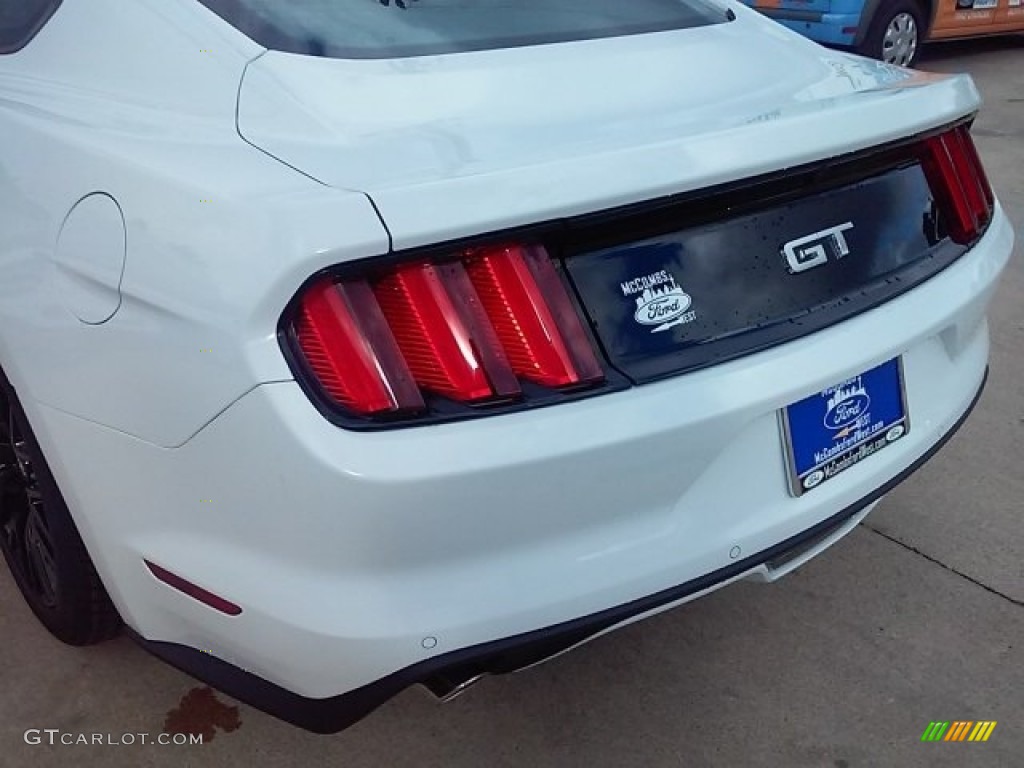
{"x": 533, "y": 316}
{"x": 958, "y": 181}
{"x": 449, "y": 347}
{"x": 470, "y": 330}
{"x": 351, "y": 350}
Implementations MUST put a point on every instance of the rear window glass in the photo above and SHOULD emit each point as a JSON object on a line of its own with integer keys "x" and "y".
{"x": 21, "y": 19}
{"x": 393, "y": 28}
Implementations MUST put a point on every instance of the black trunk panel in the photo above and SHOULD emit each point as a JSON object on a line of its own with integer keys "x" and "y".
{"x": 705, "y": 292}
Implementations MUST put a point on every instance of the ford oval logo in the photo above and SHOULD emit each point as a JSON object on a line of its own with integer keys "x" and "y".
{"x": 662, "y": 309}
{"x": 847, "y": 411}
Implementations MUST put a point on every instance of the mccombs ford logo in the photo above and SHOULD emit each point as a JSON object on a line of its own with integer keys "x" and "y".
{"x": 661, "y": 303}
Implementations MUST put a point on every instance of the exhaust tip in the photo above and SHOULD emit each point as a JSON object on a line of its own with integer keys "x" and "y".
{"x": 451, "y": 684}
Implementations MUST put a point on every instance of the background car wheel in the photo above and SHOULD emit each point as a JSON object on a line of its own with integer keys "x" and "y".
{"x": 40, "y": 542}
{"x": 895, "y": 33}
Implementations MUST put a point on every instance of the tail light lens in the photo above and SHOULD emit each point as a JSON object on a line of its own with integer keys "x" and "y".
{"x": 351, "y": 350}
{"x": 423, "y": 338}
{"x": 959, "y": 183}
{"x": 531, "y": 312}
{"x": 444, "y": 337}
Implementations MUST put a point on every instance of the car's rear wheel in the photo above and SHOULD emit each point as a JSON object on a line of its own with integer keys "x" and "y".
{"x": 895, "y": 33}
{"x": 39, "y": 540}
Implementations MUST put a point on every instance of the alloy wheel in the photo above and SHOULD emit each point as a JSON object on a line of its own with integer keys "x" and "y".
{"x": 24, "y": 531}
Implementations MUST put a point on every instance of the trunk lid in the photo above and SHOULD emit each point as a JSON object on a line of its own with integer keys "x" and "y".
{"x": 451, "y": 146}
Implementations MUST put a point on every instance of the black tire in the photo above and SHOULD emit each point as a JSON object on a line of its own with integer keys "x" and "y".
{"x": 889, "y": 13}
{"x": 39, "y": 540}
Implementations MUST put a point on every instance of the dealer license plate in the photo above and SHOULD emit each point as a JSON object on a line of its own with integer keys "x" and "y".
{"x": 829, "y": 432}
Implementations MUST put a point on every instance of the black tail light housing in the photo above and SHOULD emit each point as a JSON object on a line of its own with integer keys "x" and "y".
{"x": 489, "y": 328}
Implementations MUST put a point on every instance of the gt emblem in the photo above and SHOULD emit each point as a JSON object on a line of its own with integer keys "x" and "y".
{"x": 813, "y": 250}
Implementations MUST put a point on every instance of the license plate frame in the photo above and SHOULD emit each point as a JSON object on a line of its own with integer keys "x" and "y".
{"x": 844, "y": 411}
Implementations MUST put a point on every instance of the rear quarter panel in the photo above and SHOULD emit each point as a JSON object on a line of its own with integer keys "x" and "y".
{"x": 137, "y": 102}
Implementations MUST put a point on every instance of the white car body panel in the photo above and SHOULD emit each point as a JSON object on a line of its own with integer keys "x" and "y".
{"x": 175, "y": 427}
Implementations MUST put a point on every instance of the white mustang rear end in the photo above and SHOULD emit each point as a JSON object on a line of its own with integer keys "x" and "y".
{"x": 364, "y": 344}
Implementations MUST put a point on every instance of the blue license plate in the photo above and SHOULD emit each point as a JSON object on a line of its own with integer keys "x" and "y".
{"x": 842, "y": 425}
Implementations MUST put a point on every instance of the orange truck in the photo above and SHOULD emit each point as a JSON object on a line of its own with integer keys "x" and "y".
{"x": 893, "y": 30}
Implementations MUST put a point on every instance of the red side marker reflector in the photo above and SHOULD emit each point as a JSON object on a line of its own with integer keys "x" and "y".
{"x": 192, "y": 590}
{"x": 533, "y": 315}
